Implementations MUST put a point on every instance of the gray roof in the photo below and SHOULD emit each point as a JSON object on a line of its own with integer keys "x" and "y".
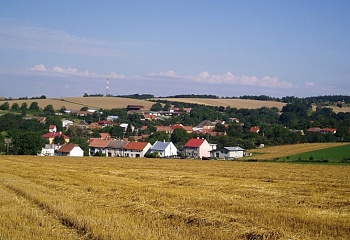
{"x": 117, "y": 144}
{"x": 160, "y": 146}
{"x": 229, "y": 149}
{"x": 234, "y": 148}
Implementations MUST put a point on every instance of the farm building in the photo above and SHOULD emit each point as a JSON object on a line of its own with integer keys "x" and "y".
{"x": 70, "y": 150}
{"x": 164, "y": 149}
{"x": 197, "y": 148}
{"x": 227, "y": 153}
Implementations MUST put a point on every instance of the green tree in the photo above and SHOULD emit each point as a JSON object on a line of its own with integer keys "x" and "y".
{"x": 15, "y": 106}
{"x": 27, "y": 143}
{"x": 166, "y": 106}
{"x": 2, "y": 144}
{"x": 158, "y": 136}
{"x": 24, "y": 107}
{"x": 156, "y": 107}
{"x": 5, "y": 106}
{"x": 63, "y": 109}
{"x": 179, "y": 137}
{"x": 59, "y": 140}
{"x": 34, "y": 106}
{"x": 49, "y": 110}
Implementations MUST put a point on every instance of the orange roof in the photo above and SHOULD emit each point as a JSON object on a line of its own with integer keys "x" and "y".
{"x": 99, "y": 143}
{"x": 135, "y": 145}
{"x": 254, "y": 129}
{"x": 67, "y": 147}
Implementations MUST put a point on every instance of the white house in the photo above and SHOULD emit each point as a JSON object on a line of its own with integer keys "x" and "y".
{"x": 71, "y": 150}
{"x": 136, "y": 149}
{"x": 197, "y": 148}
{"x": 227, "y": 153}
{"x": 66, "y": 123}
{"x": 49, "y": 150}
{"x": 115, "y": 148}
{"x": 98, "y": 146}
{"x": 164, "y": 149}
{"x": 52, "y": 128}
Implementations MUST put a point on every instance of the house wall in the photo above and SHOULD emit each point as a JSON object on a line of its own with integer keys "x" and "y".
{"x": 137, "y": 153}
{"x": 204, "y": 149}
{"x": 76, "y": 152}
{"x": 227, "y": 154}
{"x": 191, "y": 152}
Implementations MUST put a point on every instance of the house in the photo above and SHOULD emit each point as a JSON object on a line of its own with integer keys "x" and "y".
{"x": 41, "y": 120}
{"x": 98, "y": 146}
{"x": 147, "y": 116}
{"x": 105, "y": 123}
{"x": 136, "y": 149}
{"x": 113, "y": 118}
{"x": 115, "y": 148}
{"x": 164, "y": 149}
{"x": 70, "y": 150}
{"x": 206, "y": 124}
{"x": 50, "y": 136}
{"x": 227, "y": 153}
{"x": 52, "y": 128}
{"x": 134, "y": 107}
{"x": 197, "y": 148}
{"x": 322, "y": 130}
{"x": 329, "y": 130}
{"x": 254, "y": 129}
{"x": 188, "y": 129}
{"x": 67, "y": 123}
{"x": 166, "y": 129}
{"x": 49, "y": 150}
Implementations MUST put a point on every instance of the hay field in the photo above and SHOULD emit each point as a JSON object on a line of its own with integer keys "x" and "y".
{"x": 119, "y": 198}
{"x": 269, "y": 153}
{"x": 76, "y": 103}
{"x": 234, "y": 103}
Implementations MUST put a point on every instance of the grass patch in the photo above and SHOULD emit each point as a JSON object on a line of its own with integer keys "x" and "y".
{"x": 332, "y": 154}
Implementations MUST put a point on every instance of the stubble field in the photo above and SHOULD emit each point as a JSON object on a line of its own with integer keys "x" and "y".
{"x": 120, "y": 198}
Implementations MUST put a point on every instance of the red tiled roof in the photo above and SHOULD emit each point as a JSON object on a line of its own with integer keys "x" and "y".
{"x": 52, "y": 126}
{"x": 66, "y": 148}
{"x": 54, "y": 134}
{"x": 99, "y": 143}
{"x": 194, "y": 142}
{"x": 135, "y": 145}
{"x": 254, "y": 129}
{"x": 104, "y": 135}
{"x": 163, "y": 128}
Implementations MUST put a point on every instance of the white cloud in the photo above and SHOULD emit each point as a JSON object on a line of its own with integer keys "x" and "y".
{"x": 229, "y": 78}
{"x": 74, "y": 72}
{"x": 164, "y": 74}
{"x": 39, "y": 67}
{"x": 310, "y": 84}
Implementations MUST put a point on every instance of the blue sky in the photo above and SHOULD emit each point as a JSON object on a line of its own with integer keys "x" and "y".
{"x": 226, "y": 48}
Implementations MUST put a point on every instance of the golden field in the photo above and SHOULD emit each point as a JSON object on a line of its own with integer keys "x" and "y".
{"x": 234, "y": 103}
{"x": 76, "y": 103}
{"x": 120, "y": 198}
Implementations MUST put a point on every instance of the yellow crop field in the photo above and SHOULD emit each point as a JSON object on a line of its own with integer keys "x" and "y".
{"x": 76, "y": 103}
{"x": 269, "y": 153}
{"x": 234, "y": 103}
{"x": 121, "y": 198}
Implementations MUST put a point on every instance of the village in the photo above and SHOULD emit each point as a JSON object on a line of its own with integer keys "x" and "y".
{"x": 105, "y": 145}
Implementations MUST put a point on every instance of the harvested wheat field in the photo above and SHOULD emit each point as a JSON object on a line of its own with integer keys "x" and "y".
{"x": 234, "y": 103}
{"x": 270, "y": 153}
{"x": 119, "y": 198}
{"x": 76, "y": 103}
